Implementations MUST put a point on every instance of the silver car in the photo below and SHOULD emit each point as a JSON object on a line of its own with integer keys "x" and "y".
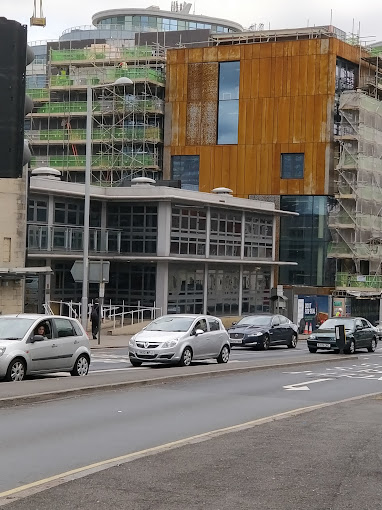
{"x": 40, "y": 344}
{"x": 180, "y": 339}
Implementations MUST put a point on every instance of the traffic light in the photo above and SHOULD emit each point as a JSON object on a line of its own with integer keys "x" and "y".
{"x": 15, "y": 55}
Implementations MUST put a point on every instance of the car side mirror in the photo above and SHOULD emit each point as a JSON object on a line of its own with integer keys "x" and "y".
{"x": 234, "y": 324}
{"x": 37, "y": 338}
{"x": 199, "y": 332}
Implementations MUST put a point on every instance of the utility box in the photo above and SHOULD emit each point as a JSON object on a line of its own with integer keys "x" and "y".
{"x": 340, "y": 336}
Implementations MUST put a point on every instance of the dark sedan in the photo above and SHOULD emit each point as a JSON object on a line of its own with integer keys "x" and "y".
{"x": 262, "y": 331}
{"x": 360, "y": 334}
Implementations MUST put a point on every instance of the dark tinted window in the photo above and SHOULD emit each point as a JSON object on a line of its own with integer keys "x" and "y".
{"x": 214, "y": 324}
{"x": 64, "y": 328}
{"x": 77, "y": 329}
{"x": 292, "y": 166}
{"x": 186, "y": 170}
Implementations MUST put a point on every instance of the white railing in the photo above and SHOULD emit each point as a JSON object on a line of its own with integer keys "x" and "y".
{"x": 118, "y": 314}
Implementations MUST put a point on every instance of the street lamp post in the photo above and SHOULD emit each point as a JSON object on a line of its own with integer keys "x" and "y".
{"x": 120, "y": 82}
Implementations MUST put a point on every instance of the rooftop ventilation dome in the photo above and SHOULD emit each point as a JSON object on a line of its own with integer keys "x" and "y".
{"x": 142, "y": 181}
{"x": 222, "y": 191}
{"x": 47, "y": 173}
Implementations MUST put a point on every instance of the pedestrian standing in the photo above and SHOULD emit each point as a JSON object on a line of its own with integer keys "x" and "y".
{"x": 94, "y": 318}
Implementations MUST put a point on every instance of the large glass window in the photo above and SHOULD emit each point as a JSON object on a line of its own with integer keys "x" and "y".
{"x": 38, "y": 211}
{"x": 292, "y": 166}
{"x": 185, "y": 289}
{"x": 228, "y": 108}
{"x": 138, "y": 225}
{"x": 304, "y": 239}
{"x": 188, "y": 231}
{"x": 223, "y": 291}
{"x": 258, "y": 240}
{"x": 256, "y": 290}
{"x": 225, "y": 238}
{"x": 68, "y": 213}
{"x": 186, "y": 170}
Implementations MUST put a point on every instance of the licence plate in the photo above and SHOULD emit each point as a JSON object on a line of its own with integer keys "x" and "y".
{"x": 323, "y": 345}
{"x": 235, "y": 341}
{"x": 150, "y": 353}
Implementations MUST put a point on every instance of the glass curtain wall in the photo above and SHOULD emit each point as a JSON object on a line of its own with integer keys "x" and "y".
{"x": 304, "y": 239}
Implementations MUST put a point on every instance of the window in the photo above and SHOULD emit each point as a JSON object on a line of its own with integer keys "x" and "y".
{"x": 276, "y": 321}
{"x": 68, "y": 213}
{"x": 228, "y": 107}
{"x": 188, "y": 231}
{"x": 77, "y": 329}
{"x": 202, "y": 324}
{"x": 38, "y": 211}
{"x": 214, "y": 325}
{"x": 292, "y": 166}
{"x": 186, "y": 170}
{"x": 225, "y": 238}
{"x": 64, "y": 328}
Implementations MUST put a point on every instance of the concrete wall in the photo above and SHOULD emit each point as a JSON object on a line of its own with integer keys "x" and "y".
{"x": 12, "y": 242}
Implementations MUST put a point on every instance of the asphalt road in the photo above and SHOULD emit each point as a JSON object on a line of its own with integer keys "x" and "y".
{"x": 44, "y": 439}
{"x": 118, "y": 359}
{"x": 324, "y": 460}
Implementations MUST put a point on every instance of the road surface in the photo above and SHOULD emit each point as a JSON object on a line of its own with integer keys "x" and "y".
{"x": 49, "y": 438}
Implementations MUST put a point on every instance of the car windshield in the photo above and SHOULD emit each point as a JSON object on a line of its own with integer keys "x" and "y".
{"x": 14, "y": 328}
{"x": 331, "y": 323}
{"x": 171, "y": 324}
{"x": 259, "y": 320}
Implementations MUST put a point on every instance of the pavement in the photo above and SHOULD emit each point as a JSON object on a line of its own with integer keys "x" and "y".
{"x": 326, "y": 459}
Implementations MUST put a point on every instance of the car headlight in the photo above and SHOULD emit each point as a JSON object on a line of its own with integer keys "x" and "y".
{"x": 170, "y": 343}
{"x": 132, "y": 341}
{"x": 2, "y": 350}
{"x": 312, "y": 337}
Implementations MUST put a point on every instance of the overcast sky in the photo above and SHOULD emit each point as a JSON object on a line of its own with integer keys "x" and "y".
{"x": 278, "y": 13}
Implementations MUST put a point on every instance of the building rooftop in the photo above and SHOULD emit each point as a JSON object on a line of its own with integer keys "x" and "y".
{"x": 153, "y": 193}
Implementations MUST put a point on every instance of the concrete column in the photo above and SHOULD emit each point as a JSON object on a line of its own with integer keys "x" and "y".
{"x": 161, "y": 299}
{"x": 48, "y": 284}
{"x": 164, "y": 229}
{"x": 208, "y": 232}
{"x": 205, "y": 288}
{"x": 241, "y": 289}
{"x": 50, "y": 221}
{"x": 242, "y": 236}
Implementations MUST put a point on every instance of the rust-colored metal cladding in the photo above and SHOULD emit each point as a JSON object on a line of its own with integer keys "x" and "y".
{"x": 286, "y": 106}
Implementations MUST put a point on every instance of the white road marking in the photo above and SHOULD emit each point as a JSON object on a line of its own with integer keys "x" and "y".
{"x": 303, "y": 385}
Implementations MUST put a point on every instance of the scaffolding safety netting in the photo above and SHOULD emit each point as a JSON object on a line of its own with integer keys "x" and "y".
{"x": 356, "y": 218}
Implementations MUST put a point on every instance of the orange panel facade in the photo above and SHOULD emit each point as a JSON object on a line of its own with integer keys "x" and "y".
{"x": 286, "y": 100}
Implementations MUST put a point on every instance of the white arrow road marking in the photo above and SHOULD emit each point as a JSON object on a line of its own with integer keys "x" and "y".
{"x": 303, "y": 385}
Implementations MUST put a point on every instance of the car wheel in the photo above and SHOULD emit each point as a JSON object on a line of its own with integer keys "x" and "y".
{"x": 292, "y": 344}
{"x": 266, "y": 343}
{"x": 186, "y": 358}
{"x": 224, "y": 355}
{"x": 16, "y": 370}
{"x": 312, "y": 349}
{"x": 81, "y": 366}
{"x": 350, "y": 349}
{"x": 135, "y": 363}
{"x": 372, "y": 346}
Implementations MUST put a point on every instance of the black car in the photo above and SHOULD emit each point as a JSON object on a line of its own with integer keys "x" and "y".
{"x": 262, "y": 331}
{"x": 360, "y": 334}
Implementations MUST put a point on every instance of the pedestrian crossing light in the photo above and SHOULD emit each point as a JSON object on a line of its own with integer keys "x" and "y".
{"x": 15, "y": 55}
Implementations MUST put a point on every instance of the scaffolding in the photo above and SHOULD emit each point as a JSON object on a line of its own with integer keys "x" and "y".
{"x": 356, "y": 219}
{"x": 127, "y": 134}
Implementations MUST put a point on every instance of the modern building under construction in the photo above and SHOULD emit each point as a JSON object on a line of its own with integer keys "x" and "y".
{"x": 294, "y": 115}
{"x": 127, "y": 119}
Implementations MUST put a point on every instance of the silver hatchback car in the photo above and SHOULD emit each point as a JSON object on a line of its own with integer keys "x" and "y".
{"x": 180, "y": 339}
{"x": 41, "y": 344}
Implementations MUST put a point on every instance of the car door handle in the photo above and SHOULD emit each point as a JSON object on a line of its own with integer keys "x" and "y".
{"x": 76, "y": 341}
{"x": 54, "y": 345}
